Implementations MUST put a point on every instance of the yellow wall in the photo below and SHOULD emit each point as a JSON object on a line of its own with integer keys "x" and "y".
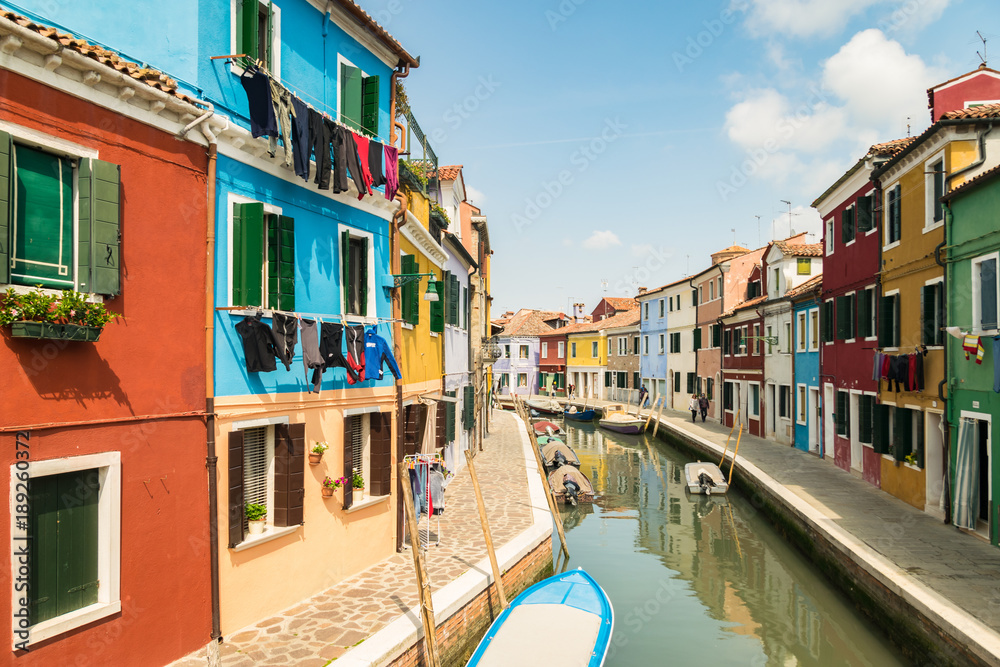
{"x": 422, "y": 359}
{"x": 584, "y": 345}
{"x": 333, "y": 544}
{"x": 905, "y": 482}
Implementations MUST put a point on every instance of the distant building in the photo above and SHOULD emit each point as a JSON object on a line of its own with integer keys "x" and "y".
{"x": 805, "y": 341}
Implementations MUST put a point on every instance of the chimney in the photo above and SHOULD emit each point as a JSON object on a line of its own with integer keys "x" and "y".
{"x": 642, "y": 290}
{"x": 578, "y": 312}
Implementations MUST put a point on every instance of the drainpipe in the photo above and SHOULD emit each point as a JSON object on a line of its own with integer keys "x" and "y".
{"x": 697, "y": 304}
{"x": 940, "y": 389}
{"x": 209, "y": 112}
{"x": 981, "y": 159}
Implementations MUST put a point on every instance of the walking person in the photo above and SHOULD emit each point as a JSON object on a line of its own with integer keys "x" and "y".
{"x": 693, "y": 406}
{"x": 703, "y": 406}
{"x": 642, "y": 396}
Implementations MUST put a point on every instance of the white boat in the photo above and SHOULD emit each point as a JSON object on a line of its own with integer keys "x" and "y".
{"x": 705, "y": 478}
{"x": 545, "y": 406}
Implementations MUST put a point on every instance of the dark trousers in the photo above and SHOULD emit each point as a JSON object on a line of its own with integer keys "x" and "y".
{"x": 320, "y": 136}
{"x": 704, "y": 413}
{"x": 300, "y": 137}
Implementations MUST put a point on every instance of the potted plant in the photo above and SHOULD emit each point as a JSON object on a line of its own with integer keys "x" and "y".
{"x": 40, "y": 314}
{"x": 316, "y": 455}
{"x": 256, "y": 515}
{"x": 330, "y": 484}
{"x": 357, "y": 480}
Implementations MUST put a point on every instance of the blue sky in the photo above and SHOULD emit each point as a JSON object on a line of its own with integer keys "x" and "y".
{"x": 623, "y": 142}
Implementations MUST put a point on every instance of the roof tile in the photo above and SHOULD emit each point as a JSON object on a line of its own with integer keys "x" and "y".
{"x": 982, "y": 111}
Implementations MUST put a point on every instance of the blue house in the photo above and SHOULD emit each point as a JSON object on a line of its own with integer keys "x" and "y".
{"x": 805, "y": 363}
{"x": 653, "y": 341}
{"x": 293, "y": 245}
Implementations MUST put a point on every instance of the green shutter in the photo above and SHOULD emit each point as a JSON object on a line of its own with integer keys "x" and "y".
{"x": 350, "y": 96}
{"x": 363, "y": 278}
{"x": 369, "y": 105}
{"x": 407, "y": 265}
{"x": 897, "y": 212}
{"x": 248, "y": 254}
{"x": 864, "y": 313}
{"x": 607, "y": 379}
{"x": 437, "y": 307}
{"x": 267, "y": 56}
{"x": 865, "y": 418}
{"x": 469, "y": 407}
{"x": 902, "y": 437}
{"x": 281, "y": 262}
{"x": 880, "y": 433}
{"x": 927, "y": 313}
{"x": 677, "y": 381}
{"x": 841, "y": 414}
{"x": 247, "y": 12}
{"x": 841, "y": 305}
{"x": 345, "y": 267}
{"x": 41, "y": 219}
{"x": 864, "y": 213}
{"x": 697, "y": 338}
{"x": 450, "y": 421}
{"x": 454, "y": 293}
{"x": 465, "y": 309}
{"x": 5, "y": 197}
{"x": 887, "y": 321}
{"x": 920, "y": 440}
{"x": 104, "y": 223}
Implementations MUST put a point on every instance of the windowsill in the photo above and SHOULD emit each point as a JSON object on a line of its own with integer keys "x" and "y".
{"x": 868, "y": 445}
{"x": 435, "y": 334}
{"x": 271, "y": 533}
{"x": 871, "y": 231}
{"x": 407, "y": 325}
{"x": 74, "y": 619}
{"x": 890, "y": 246}
{"x": 801, "y": 423}
{"x": 849, "y": 243}
{"x": 850, "y": 340}
{"x": 48, "y": 291}
{"x": 911, "y": 466}
{"x": 934, "y": 225}
{"x": 373, "y": 500}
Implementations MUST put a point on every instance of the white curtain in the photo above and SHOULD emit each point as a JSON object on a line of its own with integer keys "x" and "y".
{"x": 965, "y": 498}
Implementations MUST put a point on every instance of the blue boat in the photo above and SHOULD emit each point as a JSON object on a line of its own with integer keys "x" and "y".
{"x": 581, "y": 416}
{"x": 563, "y": 621}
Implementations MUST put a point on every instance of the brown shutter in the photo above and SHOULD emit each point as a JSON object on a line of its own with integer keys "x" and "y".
{"x": 348, "y": 463}
{"x": 441, "y": 427}
{"x": 289, "y": 474}
{"x": 235, "y": 488}
{"x": 381, "y": 453}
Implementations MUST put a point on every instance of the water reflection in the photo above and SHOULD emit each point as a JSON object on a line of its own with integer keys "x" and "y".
{"x": 701, "y": 580}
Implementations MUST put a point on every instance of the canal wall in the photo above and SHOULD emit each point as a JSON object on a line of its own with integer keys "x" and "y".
{"x": 928, "y": 628}
{"x": 465, "y": 607}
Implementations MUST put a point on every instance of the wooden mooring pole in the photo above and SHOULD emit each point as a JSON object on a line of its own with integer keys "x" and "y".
{"x": 497, "y": 577}
{"x": 423, "y": 584}
{"x": 659, "y": 413}
{"x": 649, "y": 417}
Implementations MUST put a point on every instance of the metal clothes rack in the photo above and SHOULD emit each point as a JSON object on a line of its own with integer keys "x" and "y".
{"x": 415, "y": 461}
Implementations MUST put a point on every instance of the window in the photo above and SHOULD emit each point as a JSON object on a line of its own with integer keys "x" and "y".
{"x": 716, "y": 335}
{"x": 622, "y": 346}
{"x": 661, "y": 343}
{"x": 756, "y": 339}
{"x": 505, "y": 379}
{"x": 645, "y": 311}
{"x": 727, "y": 396}
{"x": 355, "y": 250}
{"x": 709, "y": 386}
{"x": 802, "y": 408}
{"x": 828, "y": 236}
{"x": 984, "y": 292}
{"x": 785, "y": 401}
{"x": 847, "y": 225}
{"x": 506, "y": 351}
{"x": 866, "y": 213}
{"x": 842, "y": 417}
{"x": 866, "y": 313}
{"x": 593, "y": 349}
{"x": 934, "y": 174}
{"x": 621, "y": 380}
{"x": 691, "y": 383}
{"x": 719, "y": 291}
{"x": 410, "y": 292}
{"x": 727, "y": 341}
{"x": 609, "y": 345}
{"x": 800, "y": 324}
{"x": 258, "y": 33}
{"x": 893, "y": 218}
{"x": 675, "y": 342}
{"x": 777, "y": 282}
{"x": 888, "y": 321}
{"x": 545, "y": 349}
{"x": 899, "y": 432}
{"x": 561, "y": 350}
{"x": 701, "y": 294}
{"x": 846, "y": 320}
{"x": 711, "y": 291}
{"x": 40, "y": 220}
{"x": 447, "y": 309}
{"x": 789, "y": 340}
{"x": 932, "y": 314}
{"x": 645, "y": 344}
{"x": 753, "y": 289}
{"x": 770, "y": 333}
{"x": 804, "y": 266}
{"x": 866, "y": 412}
{"x": 359, "y": 98}
{"x": 753, "y": 402}
{"x": 75, "y": 526}
{"x": 661, "y": 306}
{"x": 814, "y": 329}
{"x": 677, "y": 381}
{"x": 263, "y": 257}
{"x": 694, "y": 297}
{"x": 697, "y": 339}
{"x": 635, "y": 345}
{"x": 522, "y": 379}
{"x": 828, "y": 321}
{"x": 447, "y": 413}
{"x": 522, "y": 352}
{"x": 572, "y": 350}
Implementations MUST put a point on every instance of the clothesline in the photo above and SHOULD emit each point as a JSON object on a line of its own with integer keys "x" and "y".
{"x": 238, "y": 310}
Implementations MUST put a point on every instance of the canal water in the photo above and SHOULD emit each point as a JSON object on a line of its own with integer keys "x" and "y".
{"x": 701, "y": 581}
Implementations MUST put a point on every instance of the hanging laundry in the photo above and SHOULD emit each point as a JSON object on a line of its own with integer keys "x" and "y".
{"x": 391, "y": 172}
{"x": 300, "y": 137}
{"x": 377, "y": 352}
{"x": 320, "y": 140}
{"x": 955, "y": 332}
{"x": 877, "y": 366}
{"x": 417, "y": 488}
{"x": 258, "y": 89}
{"x": 436, "y": 489}
{"x": 331, "y": 338}
{"x": 366, "y": 175}
{"x": 972, "y": 344}
{"x": 285, "y": 329}
{"x": 345, "y": 161}
{"x": 375, "y": 156}
{"x": 258, "y": 344}
{"x": 311, "y": 358}
{"x": 356, "y": 351}
{"x": 918, "y": 371}
{"x": 283, "y": 112}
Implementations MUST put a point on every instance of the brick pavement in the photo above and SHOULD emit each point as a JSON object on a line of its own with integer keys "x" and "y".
{"x": 322, "y": 628}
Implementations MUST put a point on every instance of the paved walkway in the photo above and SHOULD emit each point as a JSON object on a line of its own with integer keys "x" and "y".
{"x": 324, "y": 627}
{"x": 959, "y": 567}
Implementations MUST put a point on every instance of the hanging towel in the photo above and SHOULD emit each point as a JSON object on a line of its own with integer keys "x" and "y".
{"x": 285, "y": 329}
{"x": 258, "y": 90}
{"x": 377, "y": 352}
{"x": 366, "y": 174}
{"x": 258, "y": 345}
{"x": 391, "y": 172}
{"x": 436, "y": 484}
{"x": 955, "y": 331}
{"x": 973, "y": 344}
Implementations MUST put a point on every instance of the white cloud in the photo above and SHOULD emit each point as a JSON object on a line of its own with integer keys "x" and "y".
{"x": 475, "y": 196}
{"x": 567, "y": 242}
{"x": 801, "y": 18}
{"x": 641, "y": 249}
{"x": 601, "y": 239}
{"x": 768, "y": 120}
{"x": 803, "y": 219}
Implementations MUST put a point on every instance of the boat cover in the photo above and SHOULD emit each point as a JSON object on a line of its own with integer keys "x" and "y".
{"x": 545, "y": 404}
{"x": 549, "y": 453}
{"x": 543, "y": 426}
{"x": 556, "y": 479}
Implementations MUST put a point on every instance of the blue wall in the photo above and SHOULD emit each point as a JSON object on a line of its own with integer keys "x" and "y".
{"x": 317, "y": 274}
{"x": 807, "y": 373}
{"x": 653, "y": 365}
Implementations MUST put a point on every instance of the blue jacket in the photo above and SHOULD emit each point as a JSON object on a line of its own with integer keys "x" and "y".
{"x": 377, "y": 350}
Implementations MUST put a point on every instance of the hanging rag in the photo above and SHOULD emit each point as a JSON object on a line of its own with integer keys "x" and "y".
{"x": 376, "y": 151}
{"x": 283, "y": 112}
{"x": 258, "y": 344}
{"x": 436, "y": 484}
{"x": 886, "y": 364}
{"x": 366, "y": 174}
{"x": 356, "y": 351}
{"x": 311, "y": 358}
{"x": 302, "y": 117}
{"x": 285, "y": 329}
{"x": 417, "y": 488}
{"x": 391, "y": 172}
{"x": 972, "y": 344}
{"x": 257, "y": 86}
{"x": 377, "y": 352}
{"x": 331, "y": 338}
{"x": 877, "y": 366}
{"x": 955, "y": 332}
{"x": 918, "y": 372}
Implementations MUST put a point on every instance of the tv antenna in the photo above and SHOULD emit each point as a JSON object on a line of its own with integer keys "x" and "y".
{"x": 604, "y": 285}
{"x": 758, "y": 230}
{"x": 982, "y": 56}
{"x": 791, "y": 231}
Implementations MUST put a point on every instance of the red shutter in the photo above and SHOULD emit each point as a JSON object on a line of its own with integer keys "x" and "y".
{"x": 235, "y": 488}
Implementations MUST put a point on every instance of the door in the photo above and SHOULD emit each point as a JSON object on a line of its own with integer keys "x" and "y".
{"x": 813, "y": 415}
{"x": 933, "y": 464}
{"x": 857, "y": 459}
{"x": 985, "y": 492}
{"x": 828, "y": 428}
{"x": 769, "y": 415}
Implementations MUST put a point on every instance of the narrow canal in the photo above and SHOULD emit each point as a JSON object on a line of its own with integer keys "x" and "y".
{"x": 701, "y": 581}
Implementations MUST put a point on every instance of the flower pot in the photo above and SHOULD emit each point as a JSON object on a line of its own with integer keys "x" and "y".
{"x": 327, "y": 491}
{"x": 50, "y": 331}
{"x": 257, "y": 527}
{"x": 315, "y": 458}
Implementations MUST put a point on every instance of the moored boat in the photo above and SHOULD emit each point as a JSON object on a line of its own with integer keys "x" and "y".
{"x": 545, "y": 406}
{"x": 556, "y": 454}
{"x": 706, "y": 478}
{"x": 574, "y": 414}
{"x": 618, "y": 420}
{"x": 570, "y": 485}
{"x": 547, "y": 428}
{"x": 563, "y": 621}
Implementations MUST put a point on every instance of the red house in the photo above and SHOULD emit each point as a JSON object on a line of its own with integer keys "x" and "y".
{"x": 743, "y": 358}
{"x": 111, "y": 537}
{"x": 850, "y": 210}
{"x": 552, "y": 361}
{"x": 980, "y": 86}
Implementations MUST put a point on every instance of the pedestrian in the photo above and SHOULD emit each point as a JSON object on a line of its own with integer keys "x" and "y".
{"x": 642, "y": 396}
{"x": 572, "y": 391}
{"x": 703, "y": 404}
{"x": 693, "y": 406}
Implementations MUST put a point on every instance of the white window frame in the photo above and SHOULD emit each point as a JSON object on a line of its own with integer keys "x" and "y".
{"x": 789, "y": 338}
{"x": 108, "y": 537}
{"x": 661, "y": 344}
{"x": 855, "y": 216}
{"x": 275, "y": 40}
{"x": 855, "y": 337}
{"x": 886, "y": 221}
{"x": 711, "y": 290}
{"x": 814, "y": 336}
{"x": 595, "y": 351}
{"x": 801, "y": 339}
{"x": 525, "y": 349}
{"x": 561, "y": 349}
{"x": 701, "y": 294}
{"x": 610, "y": 345}
{"x": 356, "y": 233}
{"x": 645, "y": 346}
{"x": 622, "y": 346}
{"x": 661, "y": 307}
{"x": 801, "y": 404}
{"x": 898, "y": 314}
{"x": 930, "y": 224}
{"x": 753, "y": 407}
{"x": 572, "y": 349}
{"x": 977, "y": 290}
{"x": 645, "y": 311}
{"x": 874, "y": 309}
{"x": 545, "y": 349}
{"x": 519, "y": 375}
{"x": 830, "y": 240}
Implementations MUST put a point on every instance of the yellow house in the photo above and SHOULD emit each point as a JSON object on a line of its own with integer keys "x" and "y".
{"x": 586, "y": 359}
